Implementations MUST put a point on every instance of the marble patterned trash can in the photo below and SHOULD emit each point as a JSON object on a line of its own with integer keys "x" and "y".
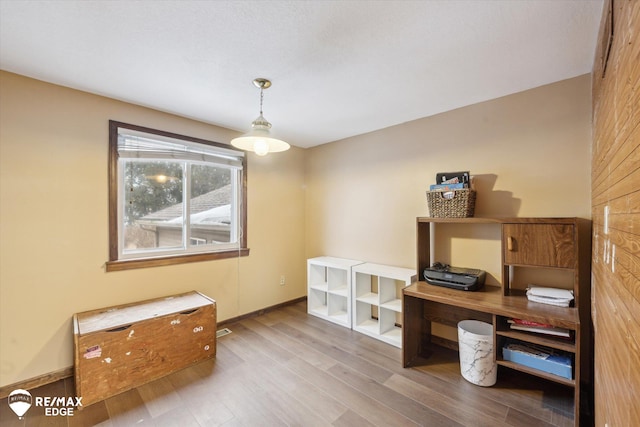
{"x": 475, "y": 343}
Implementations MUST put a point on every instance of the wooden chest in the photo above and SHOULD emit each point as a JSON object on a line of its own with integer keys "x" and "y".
{"x": 122, "y": 347}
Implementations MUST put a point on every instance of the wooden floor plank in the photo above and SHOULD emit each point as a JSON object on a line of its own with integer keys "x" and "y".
{"x": 301, "y": 391}
{"x": 363, "y": 405}
{"x": 286, "y": 368}
{"x": 408, "y": 407}
{"x": 272, "y": 348}
{"x": 374, "y": 371}
{"x": 203, "y": 401}
{"x": 248, "y": 403}
{"x": 269, "y": 376}
{"x": 471, "y": 397}
{"x": 521, "y": 419}
{"x": 159, "y": 397}
{"x": 531, "y": 395}
{"x": 180, "y": 416}
{"x": 457, "y": 409}
{"x": 127, "y": 409}
{"x": 309, "y": 354}
{"x": 351, "y": 419}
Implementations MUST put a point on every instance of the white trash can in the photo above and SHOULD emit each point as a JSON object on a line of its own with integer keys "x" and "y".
{"x": 475, "y": 344}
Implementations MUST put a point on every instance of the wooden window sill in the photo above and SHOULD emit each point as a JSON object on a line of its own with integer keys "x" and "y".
{"x": 131, "y": 264}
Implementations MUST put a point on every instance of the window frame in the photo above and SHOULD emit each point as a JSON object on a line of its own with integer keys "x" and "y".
{"x": 116, "y": 264}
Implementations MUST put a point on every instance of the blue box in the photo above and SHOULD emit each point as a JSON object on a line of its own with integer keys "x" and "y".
{"x": 535, "y": 358}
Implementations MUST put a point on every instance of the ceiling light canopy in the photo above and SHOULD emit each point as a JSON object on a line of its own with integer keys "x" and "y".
{"x": 259, "y": 139}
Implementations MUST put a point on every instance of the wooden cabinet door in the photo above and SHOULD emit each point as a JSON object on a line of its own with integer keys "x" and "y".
{"x": 545, "y": 245}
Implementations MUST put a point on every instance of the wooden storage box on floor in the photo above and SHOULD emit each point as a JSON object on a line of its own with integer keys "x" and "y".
{"x": 120, "y": 348}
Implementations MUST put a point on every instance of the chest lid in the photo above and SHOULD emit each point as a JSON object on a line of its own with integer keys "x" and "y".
{"x": 116, "y": 316}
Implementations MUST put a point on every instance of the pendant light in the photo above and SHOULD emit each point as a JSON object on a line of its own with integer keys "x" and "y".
{"x": 259, "y": 139}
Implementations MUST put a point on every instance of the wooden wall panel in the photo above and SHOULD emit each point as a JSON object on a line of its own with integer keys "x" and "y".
{"x": 634, "y": 416}
{"x": 611, "y": 389}
{"x": 615, "y": 186}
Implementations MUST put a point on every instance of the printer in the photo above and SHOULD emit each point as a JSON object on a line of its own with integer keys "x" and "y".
{"x": 465, "y": 279}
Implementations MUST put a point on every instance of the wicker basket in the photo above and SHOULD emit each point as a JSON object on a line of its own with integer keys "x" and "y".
{"x": 462, "y": 204}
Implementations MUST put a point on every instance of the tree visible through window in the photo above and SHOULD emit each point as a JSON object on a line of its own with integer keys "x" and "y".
{"x": 150, "y": 217}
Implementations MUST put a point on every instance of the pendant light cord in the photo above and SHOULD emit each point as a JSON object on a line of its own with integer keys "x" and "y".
{"x": 261, "y": 97}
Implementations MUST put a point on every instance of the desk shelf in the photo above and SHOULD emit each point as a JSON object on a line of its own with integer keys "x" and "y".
{"x": 568, "y": 345}
{"x": 536, "y": 248}
{"x": 537, "y": 373}
{"x": 491, "y": 300}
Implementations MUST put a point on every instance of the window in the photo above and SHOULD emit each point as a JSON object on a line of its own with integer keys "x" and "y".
{"x": 173, "y": 199}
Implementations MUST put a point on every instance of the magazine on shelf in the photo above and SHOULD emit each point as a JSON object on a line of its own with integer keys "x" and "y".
{"x": 540, "y": 328}
{"x": 447, "y": 183}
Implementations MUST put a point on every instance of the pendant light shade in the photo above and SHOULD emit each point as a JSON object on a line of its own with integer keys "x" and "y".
{"x": 259, "y": 139}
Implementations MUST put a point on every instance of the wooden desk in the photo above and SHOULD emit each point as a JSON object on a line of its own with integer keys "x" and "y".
{"x": 424, "y": 304}
{"x": 530, "y": 248}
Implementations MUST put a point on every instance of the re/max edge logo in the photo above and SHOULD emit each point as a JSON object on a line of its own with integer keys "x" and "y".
{"x": 21, "y": 400}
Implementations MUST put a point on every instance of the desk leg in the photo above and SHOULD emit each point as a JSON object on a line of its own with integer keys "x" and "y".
{"x": 416, "y": 331}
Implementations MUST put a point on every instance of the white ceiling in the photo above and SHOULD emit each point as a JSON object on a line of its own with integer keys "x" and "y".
{"x": 339, "y": 68}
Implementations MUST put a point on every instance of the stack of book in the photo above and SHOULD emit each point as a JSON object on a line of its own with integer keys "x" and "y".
{"x": 539, "y": 328}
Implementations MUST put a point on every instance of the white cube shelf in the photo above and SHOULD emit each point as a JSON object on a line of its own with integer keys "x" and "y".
{"x": 377, "y": 300}
{"x": 329, "y": 289}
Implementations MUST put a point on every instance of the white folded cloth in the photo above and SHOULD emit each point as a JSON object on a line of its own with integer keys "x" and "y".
{"x": 552, "y": 296}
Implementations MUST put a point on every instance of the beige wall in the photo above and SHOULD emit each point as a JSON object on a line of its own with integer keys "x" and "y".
{"x": 356, "y": 198}
{"x": 530, "y": 153}
{"x": 54, "y": 231}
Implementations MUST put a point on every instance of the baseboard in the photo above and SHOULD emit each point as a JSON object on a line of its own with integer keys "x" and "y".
{"x": 38, "y": 381}
{"x": 261, "y": 311}
{"x": 52, "y": 377}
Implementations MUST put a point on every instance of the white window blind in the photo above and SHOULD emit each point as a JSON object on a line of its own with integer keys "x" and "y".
{"x": 132, "y": 144}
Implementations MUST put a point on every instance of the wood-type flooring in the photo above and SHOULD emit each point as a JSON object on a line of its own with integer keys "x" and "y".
{"x": 287, "y": 368}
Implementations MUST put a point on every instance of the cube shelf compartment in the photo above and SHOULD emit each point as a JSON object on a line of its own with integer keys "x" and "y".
{"x": 329, "y": 289}
{"x": 377, "y": 300}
